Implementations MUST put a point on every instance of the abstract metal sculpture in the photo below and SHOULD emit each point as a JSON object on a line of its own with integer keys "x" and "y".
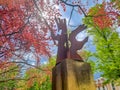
{"x": 65, "y": 50}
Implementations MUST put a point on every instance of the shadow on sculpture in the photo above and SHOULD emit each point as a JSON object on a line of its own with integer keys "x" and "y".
{"x": 68, "y": 46}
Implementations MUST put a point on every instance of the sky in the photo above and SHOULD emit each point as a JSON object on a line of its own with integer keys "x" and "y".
{"x": 75, "y": 21}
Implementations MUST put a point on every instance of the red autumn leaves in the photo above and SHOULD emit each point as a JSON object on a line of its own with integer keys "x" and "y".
{"x": 106, "y": 16}
{"x": 19, "y": 32}
{"x": 102, "y": 19}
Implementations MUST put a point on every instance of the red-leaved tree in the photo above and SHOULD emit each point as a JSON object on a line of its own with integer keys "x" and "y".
{"x": 24, "y": 27}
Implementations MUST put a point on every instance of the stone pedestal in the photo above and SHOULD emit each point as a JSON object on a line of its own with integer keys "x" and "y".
{"x": 72, "y": 75}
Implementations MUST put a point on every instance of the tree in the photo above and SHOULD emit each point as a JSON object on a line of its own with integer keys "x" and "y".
{"x": 35, "y": 79}
{"x": 102, "y": 22}
{"x": 102, "y": 25}
{"x": 31, "y": 79}
{"x": 9, "y": 76}
{"x": 23, "y": 25}
{"x": 24, "y": 29}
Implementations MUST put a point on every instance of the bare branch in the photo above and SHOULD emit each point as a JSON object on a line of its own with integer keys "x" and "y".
{"x": 65, "y": 2}
{"x": 23, "y": 62}
{"x": 70, "y": 16}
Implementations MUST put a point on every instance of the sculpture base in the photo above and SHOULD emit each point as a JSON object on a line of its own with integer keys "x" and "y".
{"x": 72, "y": 75}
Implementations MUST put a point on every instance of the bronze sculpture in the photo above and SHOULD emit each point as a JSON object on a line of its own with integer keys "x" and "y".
{"x": 64, "y": 49}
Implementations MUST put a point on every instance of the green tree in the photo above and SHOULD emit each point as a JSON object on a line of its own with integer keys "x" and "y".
{"x": 103, "y": 29}
{"x": 45, "y": 85}
{"x": 38, "y": 79}
{"x": 8, "y": 79}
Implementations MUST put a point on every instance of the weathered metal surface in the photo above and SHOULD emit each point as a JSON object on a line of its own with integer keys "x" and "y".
{"x": 76, "y": 45}
{"x": 64, "y": 50}
{"x": 62, "y": 40}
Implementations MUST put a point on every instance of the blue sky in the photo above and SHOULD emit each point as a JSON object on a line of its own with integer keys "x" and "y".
{"x": 76, "y": 20}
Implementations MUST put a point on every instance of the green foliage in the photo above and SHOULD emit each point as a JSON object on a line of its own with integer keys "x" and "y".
{"x": 94, "y": 10}
{"x": 32, "y": 78}
{"x": 10, "y": 85}
{"x": 8, "y": 77}
{"x": 52, "y": 62}
{"x": 46, "y": 85}
{"x": 107, "y": 54}
{"x": 38, "y": 79}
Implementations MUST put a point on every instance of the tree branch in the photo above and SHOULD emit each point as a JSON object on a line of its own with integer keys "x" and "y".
{"x": 16, "y": 79}
{"x": 20, "y": 30}
{"x": 65, "y": 2}
{"x": 43, "y": 18}
{"x": 12, "y": 69}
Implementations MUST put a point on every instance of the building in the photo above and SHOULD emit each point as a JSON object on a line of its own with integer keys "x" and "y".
{"x": 99, "y": 85}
